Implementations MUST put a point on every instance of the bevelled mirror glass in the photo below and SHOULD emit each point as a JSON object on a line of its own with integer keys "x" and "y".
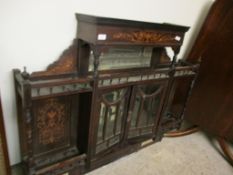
{"x": 123, "y": 58}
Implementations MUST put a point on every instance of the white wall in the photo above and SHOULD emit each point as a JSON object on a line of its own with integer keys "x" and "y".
{"x": 33, "y": 33}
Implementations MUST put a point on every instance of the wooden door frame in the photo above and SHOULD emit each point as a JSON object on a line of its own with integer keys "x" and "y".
{"x": 4, "y": 142}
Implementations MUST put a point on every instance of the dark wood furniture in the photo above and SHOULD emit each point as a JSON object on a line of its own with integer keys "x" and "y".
{"x": 211, "y": 104}
{"x": 4, "y": 159}
{"x": 116, "y": 86}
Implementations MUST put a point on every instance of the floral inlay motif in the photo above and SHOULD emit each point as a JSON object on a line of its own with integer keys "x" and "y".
{"x": 51, "y": 122}
{"x": 145, "y": 37}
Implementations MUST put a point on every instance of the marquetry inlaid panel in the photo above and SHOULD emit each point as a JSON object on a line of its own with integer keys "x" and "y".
{"x": 52, "y": 123}
{"x": 147, "y": 37}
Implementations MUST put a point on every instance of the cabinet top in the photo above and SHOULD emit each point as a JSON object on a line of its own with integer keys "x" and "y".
{"x": 97, "y": 20}
{"x": 110, "y": 31}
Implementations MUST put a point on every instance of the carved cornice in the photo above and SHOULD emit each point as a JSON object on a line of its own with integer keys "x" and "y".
{"x": 65, "y": 64}
{"x": 149, "y": 37}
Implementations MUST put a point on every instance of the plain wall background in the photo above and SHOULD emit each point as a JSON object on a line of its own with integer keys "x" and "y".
{"x": 33, "y": 33}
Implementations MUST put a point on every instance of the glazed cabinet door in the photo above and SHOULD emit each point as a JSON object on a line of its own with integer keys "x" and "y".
{"x": 145, "y": 108}
{"x": 112, "y": 108}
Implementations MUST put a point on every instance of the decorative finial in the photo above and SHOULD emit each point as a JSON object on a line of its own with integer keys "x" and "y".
{"x": 25, "y": 74}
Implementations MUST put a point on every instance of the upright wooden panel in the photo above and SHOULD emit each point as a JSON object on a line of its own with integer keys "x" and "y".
{"x": 211, "y": 103}
{"x": 4, "y": 160}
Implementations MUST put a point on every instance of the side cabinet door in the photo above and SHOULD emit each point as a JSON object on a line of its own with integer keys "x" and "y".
{"x": 55, "y": 129}
{"x": 145, "y": 109}
{"x": 112, "y": 107}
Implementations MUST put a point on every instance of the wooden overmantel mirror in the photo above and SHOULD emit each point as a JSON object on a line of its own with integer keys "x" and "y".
{"x": 119, "y": 84}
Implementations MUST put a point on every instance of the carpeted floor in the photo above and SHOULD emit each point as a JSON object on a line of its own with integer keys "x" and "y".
{"x": 194, "y": 154}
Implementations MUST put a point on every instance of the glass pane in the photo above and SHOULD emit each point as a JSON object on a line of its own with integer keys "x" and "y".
{"x": 110, "y": 121}
{"x": 145, "y": 110}
{"x": 101, "y": 123}
{"x": 149, "y": 89}
{"x": 114, "y": 96}
{"x": 150, "y": 109}
{"x": 114, "y": 120}
{"x": 135, "y": 112}
{"x": 120, "y": 117}
{"x": 122, "y": 58}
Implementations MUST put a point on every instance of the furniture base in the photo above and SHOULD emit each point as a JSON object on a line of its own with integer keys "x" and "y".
{"x": 182, "y": 132}
{"x": 226, "y": 149}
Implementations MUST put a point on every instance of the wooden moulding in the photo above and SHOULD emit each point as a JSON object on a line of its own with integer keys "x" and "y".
{"x": 65, "y": 166}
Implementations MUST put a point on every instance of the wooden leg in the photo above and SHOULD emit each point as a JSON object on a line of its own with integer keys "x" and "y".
{"x": 182, "y": 132}
{"x": 226, "y": 149}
